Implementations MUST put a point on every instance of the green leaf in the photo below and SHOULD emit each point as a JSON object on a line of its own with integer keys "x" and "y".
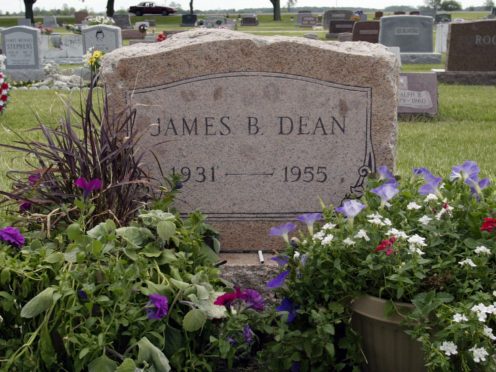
{"x": 135, "y": 236}
{"x": 38, "y": 304}
{"x": 5, "y": 276}
{"x": 74, "y": 231}
{"x": 194, "y": 320}
{"x": 127, "y": 365}
{"x": 102, "y": 230}
{"x": 102, "y": 364}
{"x": 47, "y": 352}
{"x": 174, "y": 340}
{"x": 151, "y": 354}
{"x": 84, "y": 352}
{"x": 55, "y": 257}
{"x": 180, "y": 284}
{"x": 166, "y": 230}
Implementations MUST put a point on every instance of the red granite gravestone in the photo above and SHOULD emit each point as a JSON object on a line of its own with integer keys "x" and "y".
{"x": 472, "y": 46}
{"x": 366, "y": 31}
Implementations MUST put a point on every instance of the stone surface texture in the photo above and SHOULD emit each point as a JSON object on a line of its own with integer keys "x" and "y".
{"x": 472, "y": 46}
{"x": 191, "y": 76}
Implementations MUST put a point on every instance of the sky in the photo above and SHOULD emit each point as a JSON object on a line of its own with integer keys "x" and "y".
{"x": 99, "y": 5}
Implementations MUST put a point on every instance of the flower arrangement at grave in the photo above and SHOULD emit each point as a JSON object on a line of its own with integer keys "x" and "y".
{"x": 428, "y": 241}
{"x": 44, "y": 30}
{"x": 99, "y": 20}
{"x": 161, "y": 36}
{"x": 93, "y": 59}
{"x": 4, "y": 92}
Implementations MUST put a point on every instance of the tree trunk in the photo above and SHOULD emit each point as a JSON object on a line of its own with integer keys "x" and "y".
{"x": 191, "y": 7}
{"x": 110, "y": 8}
{"x": 28, "y": 4}
{"x": 277, "y": 9}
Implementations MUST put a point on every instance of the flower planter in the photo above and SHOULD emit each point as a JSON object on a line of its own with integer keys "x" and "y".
{"x": 386, "y": 346}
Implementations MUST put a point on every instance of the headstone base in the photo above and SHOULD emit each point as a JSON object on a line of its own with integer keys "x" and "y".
{"x": 345, "y": 36}
{"x": 26, "y": 75}
{"x": 420, "y": 58}
{"x": 466, "y": 77}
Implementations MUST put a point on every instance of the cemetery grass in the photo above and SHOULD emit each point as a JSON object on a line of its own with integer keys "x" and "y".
{"x": 464, "y": 129}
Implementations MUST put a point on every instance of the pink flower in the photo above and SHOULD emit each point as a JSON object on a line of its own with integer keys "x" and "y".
{"x": 88, "y": 186}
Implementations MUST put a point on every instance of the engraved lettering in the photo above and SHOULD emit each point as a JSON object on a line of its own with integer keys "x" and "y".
{"x": 157, "y": 126}
{"x": 209, "y": 125}
{"x": 171, "y": 125}
{"x": 281, "y": 126}
{"x": 222, "y": 119}
{"x": 194, "y": 125}
{"x": 253, "y": 127}
{"x": 303, "y": 124}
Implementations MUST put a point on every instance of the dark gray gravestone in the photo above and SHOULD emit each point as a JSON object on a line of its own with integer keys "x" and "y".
{"x": 50, "y": 21}
{"x": 189, "y": 20}
{"x": 338, "y": 27}
{"x": 472, "y": 46}
{"x": 418, "y": 94}
{"x": 249, "y": 20}
{"x": 123, "y": 21}
{"x": 415, "y": 12}
{"x": 399, "y": 13}
{"x": 21, "y": 46}
{"x": 366, "y": 31}
{"x": 102, "y": 37}
{"x": 308, "y": 20}
{"x": 442, "y": 17}
{"x": 410, "y": 33}
{"x": 332, "y": 15}
{"x": 429, "y": 12}
{"x": 24, "y": 22}
{"x": 493, "y": 12}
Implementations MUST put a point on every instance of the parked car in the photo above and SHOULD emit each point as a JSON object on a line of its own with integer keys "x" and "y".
{"x": 148, "y": 7}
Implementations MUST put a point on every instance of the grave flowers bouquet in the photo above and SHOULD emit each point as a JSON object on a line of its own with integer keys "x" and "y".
{"x": 4, "y": 92}
{"x": 99, "y": 20}
{"x": 429, "y": 241}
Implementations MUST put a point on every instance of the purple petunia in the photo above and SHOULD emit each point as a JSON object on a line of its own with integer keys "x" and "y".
{"x": 432, "y": 182}
{"x": 288, "y": 306}
{"x": 279, "y": 280}
{"x": 248, "y": 334}
{"x": 281, "y": 260}
{"x": 34, "y": 178}
{"x": 253, "y": 299}
{"x": 385, "y": 174}
{"x": 282, "y": 230}
{"x": 350, "y": 208}
{"x": 88, "y": 186}
{"x": 386, "y": 191}
{"x": 159, "y": 306}
{"x": 12, "y": 236}
{"x": 24, "y": 207}
{"x": 309, "y": 219}
{"x": 468, "y": 170}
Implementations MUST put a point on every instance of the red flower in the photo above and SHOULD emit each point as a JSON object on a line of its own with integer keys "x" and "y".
{"x": 4, "y": 98}
{"x": 386, "y": 245}
{"x": 161, "y": 37}
{"x": 228, "y": 298}
{"x": 489, "y": 224}
{"x": 5, "y": 86}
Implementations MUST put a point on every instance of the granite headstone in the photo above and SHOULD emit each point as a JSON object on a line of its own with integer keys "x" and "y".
{"x": 189, "y": 20}
{"x": 67, "y": 49}
{"x": 418, "y": 94}
{"x": 442, "y": 17}
{"x": 50, "y": 21}
{"x": 378, "y": 15}
{"x": 331, "y": 15}
{"x": 442, "y": 30}
{"x": 249, "y": 20}
{"x": 307, "y": 20}
{"x": 102, "y": 37}
{"x": 337, "y": 27}
{"x": 366, "y": 31}
{"x": 472, "y": 46}
{"x": 258, "y": 137}
{"x": 123, "y": 21}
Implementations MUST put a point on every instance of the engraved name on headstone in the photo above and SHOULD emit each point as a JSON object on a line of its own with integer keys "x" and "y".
{"x": 418, "y": 93}
{"x": 21, "y": 46}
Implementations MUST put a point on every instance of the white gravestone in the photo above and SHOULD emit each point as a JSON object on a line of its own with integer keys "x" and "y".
{"x": 102, "y": 37}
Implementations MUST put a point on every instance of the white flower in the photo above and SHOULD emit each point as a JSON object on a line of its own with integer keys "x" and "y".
{"x": 296, "y": 255}
{"x": 319, "y": 236}
{"x": 375, "y": 215}
{"x": 494, "y": 293}
{"x": 387, "y": 222}
{"x": 328, "y": 226}
{"x": 489, "y": 332}
{"x": 417, "y": 240}
{"x": 328, "y": 239}
{"x": 424, "y": 220}
{"x": 481, "y": 311}
{"x": 482, "y": 250}
{"x": 413, "y": 249}
{"x": 398, "y": 233}
{"x": 348, "y": 241}
{"x": 376, "y": 221}
{"x": 449, "y": 348}
{"x": 430, "y": 197}
{"x": 413, "y": 206}
{"x": 468, "y": 262}
{"x": 459, "y": 318}
{"x": 363, "y": 235}
{"x": 479, "y": 354}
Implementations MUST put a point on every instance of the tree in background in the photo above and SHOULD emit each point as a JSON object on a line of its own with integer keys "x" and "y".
{"x": 191, "y": 7}
{"x": 110, "y": 8}
{"x": 175, "y": 5}
{"x": 435, "y": 4}
{"x": 277, "y": 9}
{"x": 28, "y": 4}
{"x": 290, "y": 4}
{"x": 451, "y": 5}
{"x": 489, "y": 4}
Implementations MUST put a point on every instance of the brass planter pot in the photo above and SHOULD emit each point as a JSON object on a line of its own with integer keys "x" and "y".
{"x": 386, "y": 346}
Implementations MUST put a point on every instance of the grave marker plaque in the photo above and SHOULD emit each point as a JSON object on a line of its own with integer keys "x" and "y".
{"x": 123, "y": 21}
{"x": 418, "y": 93}
{"x": 366, "y": 31}
{"x": 258, "y": 137}
{"x": 21, "y": 46}
{"x": 102, "y": 37}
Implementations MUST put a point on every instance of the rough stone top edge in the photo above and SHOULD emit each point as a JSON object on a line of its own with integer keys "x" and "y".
{"x": 202, "y": 36}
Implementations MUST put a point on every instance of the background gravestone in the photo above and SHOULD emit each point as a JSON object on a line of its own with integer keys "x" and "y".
{"x": 21, "y": 46}
{"x": 80, "y": 16}
{"x": 442, "y": 17}
{"x": 418, "y": 93}
{"x": 442, "y": 30}
{"x": 308, "y": 20}
{"x": 472, "y": 46}
{"x": 249, "y": 20}
{"x": 50, "y": 21}
{"x": 413, "y": 35}
{"x": 102, "y": 37}
{"x": 339, "y": 26}
{"x": 24, "y": 22}
{"x": 331, "y": 15}
{"x": 366, "y": 31}
{"x": 259, "y": 136}
{"x": 69, "y": 50}
{"x": 188, "y": 20}
{"x": 378, "y": 15}
{"x": 123, "y": 21}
